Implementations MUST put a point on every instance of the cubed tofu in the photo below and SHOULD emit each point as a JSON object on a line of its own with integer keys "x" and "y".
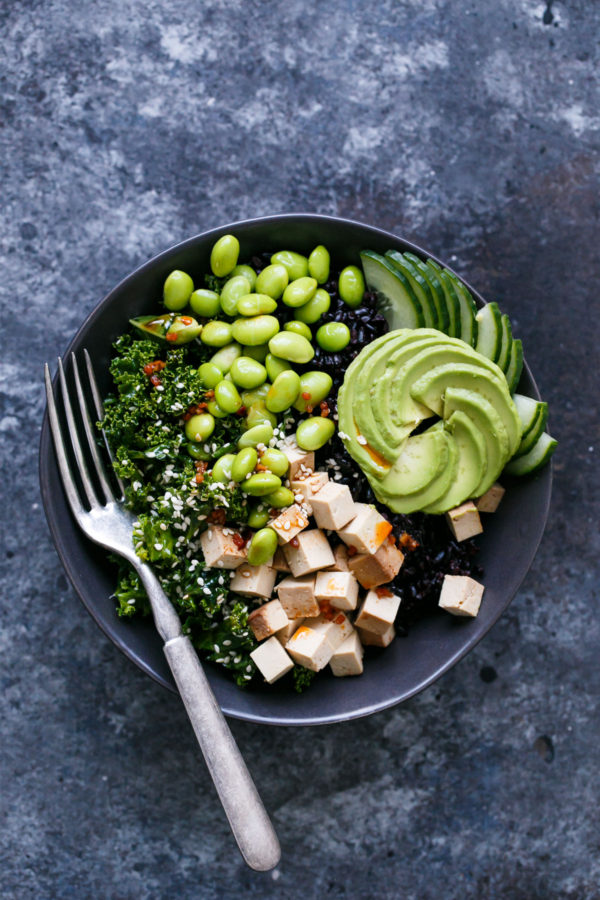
{"x": 490, "y": 501}
{"x": 302, "y": 463}
{"x": 336, "y": 627}
{"x": 219, "y": 548}
{"x": 348, "y": 658}
{"x": 289, "y": 523}
{"x": 371, "y": 639}
{"x": 461, "y": 595}
{"x": 340, "y": 589}
{"x": 333, "y": 506}
{"x": 279, "y": 562}
{"x": 312, "y": 553}
{"x": 284, "y": 634}
{"x": 267, "y": 619}
{"x": 378, "y": 611}
{"x": 310, "y": 485}
{"x": 464, "y": 521}
{"x": 310, "y": 648}
{"x": 297, "y": 596}
{"x": 367, "y": 531}
{"x": 375, "y": 569}
{"x": 253, "y": 581}
{"x": 340, "y": 554}
{"x": 271, "y": 660}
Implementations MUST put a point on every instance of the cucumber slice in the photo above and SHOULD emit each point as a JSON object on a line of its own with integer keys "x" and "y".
{"x": 418, "y": 285}
{"x": 529, "y": 411}
{"x": 452, "y": 303}
{"x": 537, "y": 457}
{"x": 489, "y": 331}
{"x": 468, "y": 310}
{"x": 507, "y": 339}
{"x": 397, "y": 301}
{"x": 534, "y": 433}
{"x": 437, "y": 291}
{"x": 515, "y": 365}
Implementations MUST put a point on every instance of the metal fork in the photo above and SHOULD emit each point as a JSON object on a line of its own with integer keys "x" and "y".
{"x": 109, "y": 524}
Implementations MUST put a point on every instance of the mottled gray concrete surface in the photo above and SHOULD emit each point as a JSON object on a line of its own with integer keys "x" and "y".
{"x": 473, "y": 128}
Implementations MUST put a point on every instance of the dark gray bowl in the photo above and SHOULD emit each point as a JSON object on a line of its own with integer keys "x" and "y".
{"x": 410, "y": 664}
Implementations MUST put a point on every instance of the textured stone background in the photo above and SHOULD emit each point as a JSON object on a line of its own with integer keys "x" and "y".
{"x": 473, "y": 128}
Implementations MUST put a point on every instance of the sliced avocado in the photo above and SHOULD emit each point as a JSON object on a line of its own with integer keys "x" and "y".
{"x": 418, "y": 284}
{"x": 507, "y": 340}
{"x": 537, "y": 457}
{"x": 468, "y": 310}
{"x": 489, "y": 425}
{"x": 437, "y": 292}
{"x": 420, "y": 462}
{"x": 489, "y": 331}
{"x": 396, "y": 299}
{"x": 471, "y": 466}
{"x": 515, "y": 365}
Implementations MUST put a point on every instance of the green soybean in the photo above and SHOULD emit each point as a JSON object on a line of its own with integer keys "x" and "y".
{"x": 258, "y": 413}
{"x": 258, "y": 516}
{"x": 297, "y": 327}
{"x": 247, "y": 373}
{"x": 244, "y": 463}
{"x": 257, "y": 395}
{"x": 299, "y": 292}
{"x": 275, "y": 461}
{"x": 314, "y": 387}
{"x": 221, "y": 471}
{"x": 255, "y": 305}
{"x": 258, "y": 434}
{"x": 312, "y": 311}
{"x": 261, "y": 484}
{"x": 275, "y": 366}
{"x": 248, "y": 273}
{"x": 224, "y": 255}
{"x": 227, "y": 396}
{"x": 273, "y": 280}
{"x": 199, "y": 428}
{"x": 209, "y": 375}
{"x": 177, "y": 290}
{"x": 232, "y": 291}
{"x": 197, "y": 451}
{"x": 333, "y": 336}
{"x": 262, "y": 547}
{"x": 314, "y": 432}
{"x": 215, "y": 410}
{"x": 223, "y": 359}
{"x": 280, "y": 498}
{"x": 255, "y": 329}
{"x": 292, "y": 347}
{"x": 259, "y": 352}
{"x": 351, "y": 286}
{"x": 205, "y": 303}
{"x": 283, "y": 392}
{"x": 182, "y": 330}
{"x": 295, "y": 263}
{"x": 216, "y": 334}
{"x": 318, "y": 264}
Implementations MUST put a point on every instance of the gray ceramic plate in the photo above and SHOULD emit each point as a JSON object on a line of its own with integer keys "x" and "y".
{"x": 410, "y": 664}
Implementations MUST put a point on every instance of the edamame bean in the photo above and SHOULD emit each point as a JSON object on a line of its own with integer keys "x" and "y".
{"x": 275, "y": 366}
{"x": 232, "y": 291}
{"x": 261, "y": 484}
{"x": 297, "y": 327}
{"x": 351, "y": 286}
{"x": 247, "y": 373}
{"x": 209, "y": 375}
{"x": 223, "y": 358}
{"x": 273, "y": 280}
{"x": 280, "y": 498}
{"x": 249, "y": 398}
{"x": 205, "y": 303}
{"x": 300, "y": 292}
{"x": 227, "y": 396}
{"x": 216, "y": 334}
{"x": 275, "y": 461}
{"x": 318, "y": 264}
{"x": 177, "y": 290}
{"x": 283, "y": 392}
{"x": 255, "y": 305}
{"x": 314, "y": 387}
{"x": 333, "y": 336}
{"x": 314, "y": 432}
{"x": 255, "y": 329}
{"x": 292, "y": 347}
{"x": 248, "y": 273}
{"x": 224, "y": 255}
{"x": 262, "y": 547}
{"x": 258, "y": 434}
{"x": 215, "y": 410}
{"x": 244, "y": 463}
{"x": 197, "y": 451}
{"x": 221, "y": 470}
{"x": 258, "y": 413}
{"x": 182, "y": 330}
{"x": 199, "y": 428}
{"x": 259, "y": 352}
{"x": 258, "y": 516}
{"x": 295, "y": 263}
{"x": 312, "y": 311}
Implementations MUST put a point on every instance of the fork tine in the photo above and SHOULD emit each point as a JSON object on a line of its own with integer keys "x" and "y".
{"x": 100, "y": 413}
{"x": 75, "y": 443}
{"x": 59, "y": 446}
{"x": 87, "y": 427}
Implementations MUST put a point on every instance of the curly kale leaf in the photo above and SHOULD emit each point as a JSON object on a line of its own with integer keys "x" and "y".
{"x": 303, "y": 678}
{"x": 130, "y": 595}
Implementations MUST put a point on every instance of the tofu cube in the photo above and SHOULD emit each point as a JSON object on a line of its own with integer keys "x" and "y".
{"x": 297, "y": 596}
{"x": 348, "y": 658}
{"x": 253, "y": 581}
{"x": 289, "y": 523}
{"x": 312, "y": 553}
{"x": 310, "y": 648}
{"x": 267, "y": 619}
{"x": 464, "y": 521}
{"x": 284, "y": 634}
{"x": 367, "y": 531}
{"x": 340, "y": 554}
{"x": 333, "y": 506}
{"x": 279, "y": 562}
{"x": 309, "y": 486}
{"x": 271, "y": 660}
{"x": 336, "y": 627}
{"x": 219, "y": 549}
{"x": 378, "y": 611}
{"x": 461, "y": 595}
{"x": 371, "y": 639}
{"x": 490, "y": 501}
{"x": 340, "y": 589}
{"x": 372, "y": 570}
{"x": 302, "y": 463}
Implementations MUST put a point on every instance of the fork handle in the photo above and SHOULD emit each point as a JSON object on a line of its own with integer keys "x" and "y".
{"x": 247, "y": 816}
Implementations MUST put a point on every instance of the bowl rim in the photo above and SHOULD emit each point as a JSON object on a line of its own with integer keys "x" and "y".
{"x": 45, "y": 460}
